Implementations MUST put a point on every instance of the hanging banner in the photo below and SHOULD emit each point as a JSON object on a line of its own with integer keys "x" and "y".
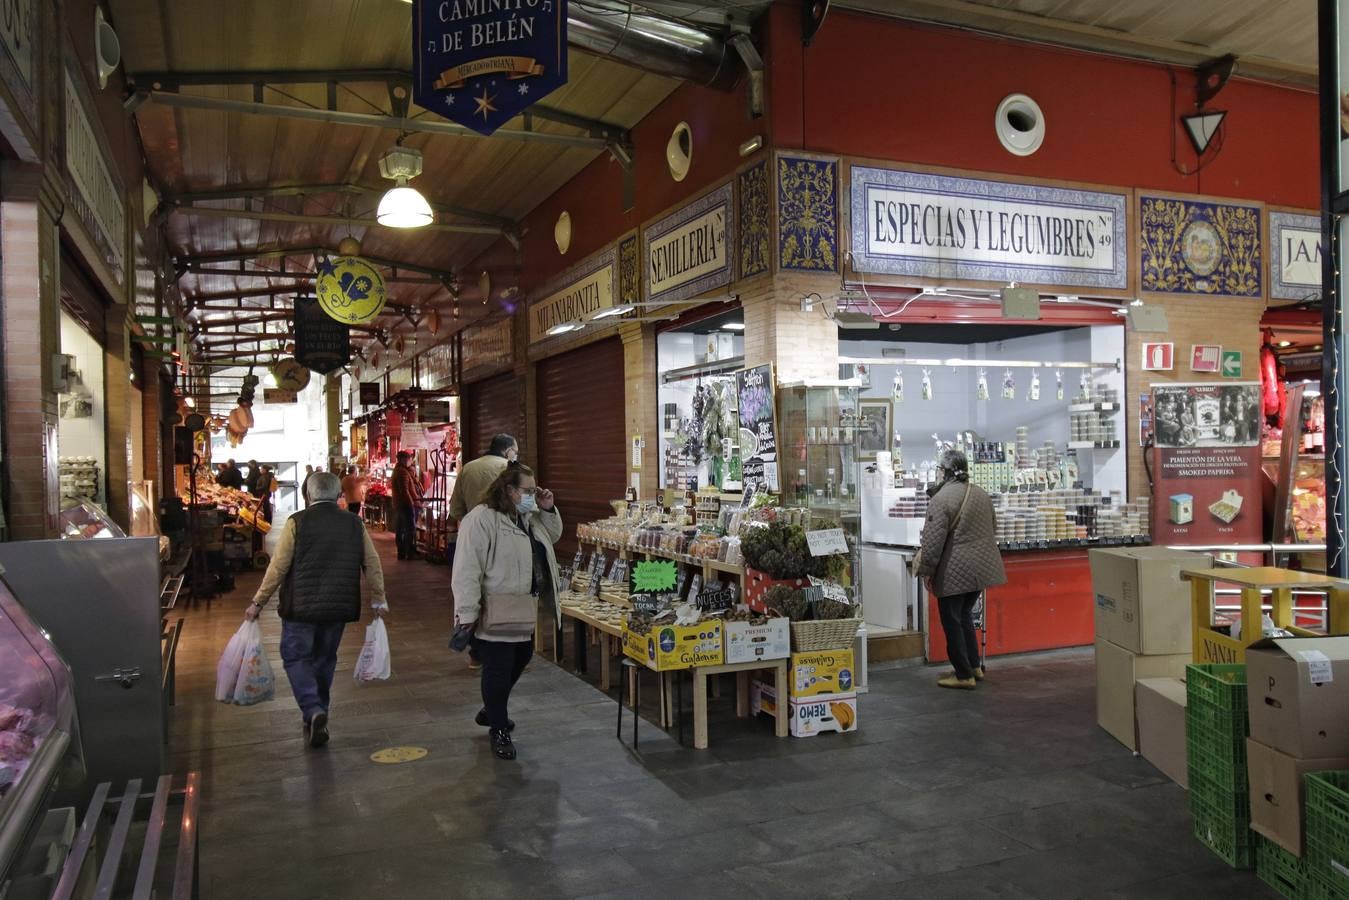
{"x": 482, "y": 62}
{"x": 1294, "y": 256}
{"x": 1207, "y": 464}
{"x": 350, "y": 289}
{"x": 322, "y": 344}
{"x": 938, "y": 226}
{"x": 758, "y": 428}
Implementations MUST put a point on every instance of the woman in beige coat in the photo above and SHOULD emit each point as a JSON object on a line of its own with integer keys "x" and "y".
{"x": 959, "y": 560}
{"x": 504, "y": 568}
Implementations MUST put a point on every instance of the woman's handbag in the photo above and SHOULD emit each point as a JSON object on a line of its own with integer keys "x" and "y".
{"x": 509, "y": 615}
{"x": 916, "y": 566}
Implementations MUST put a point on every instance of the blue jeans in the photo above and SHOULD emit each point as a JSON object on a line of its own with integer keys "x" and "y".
{"x": 405, "y": 530}
{"x": 309, "y": 653}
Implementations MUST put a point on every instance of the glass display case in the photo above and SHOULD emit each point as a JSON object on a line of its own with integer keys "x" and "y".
{"x": 818, "y": 451}
{"x": 1298, "y": 472}
{"x": 37, "y": 724}
{"x": 87, "y": 521}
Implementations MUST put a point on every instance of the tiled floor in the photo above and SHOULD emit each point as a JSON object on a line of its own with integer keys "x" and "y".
{"x": 1009, "y": 792}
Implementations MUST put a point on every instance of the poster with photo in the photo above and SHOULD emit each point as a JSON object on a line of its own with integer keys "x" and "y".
{"x": 756, "y": 409}
{"x": 1146, "y": 435}
{"x": 1207, "y": 463}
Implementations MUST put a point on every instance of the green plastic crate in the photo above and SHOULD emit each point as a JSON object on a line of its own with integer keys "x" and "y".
{"x": 1216, "y": 720}
{"x": 1209, "y": 796}
{"x": 1216, "y": 685}
{"x": 1327, "y": 842}
{"x": 1282, "y": 870}
{"x": 1222, "y": 762}
{"x": 1225, "y": 828}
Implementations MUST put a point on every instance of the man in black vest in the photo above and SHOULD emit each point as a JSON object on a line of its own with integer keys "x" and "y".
{"x": 317, "y": 566}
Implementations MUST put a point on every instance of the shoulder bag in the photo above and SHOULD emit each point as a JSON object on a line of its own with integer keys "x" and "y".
{"x": 508, "y": 615}
{"x": 917, "y": 563}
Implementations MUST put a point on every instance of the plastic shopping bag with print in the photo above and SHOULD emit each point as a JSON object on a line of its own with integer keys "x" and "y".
{"x": 374, "y": 662}
{"x": 255, "y": 683}
{"x": 227, "y": 670}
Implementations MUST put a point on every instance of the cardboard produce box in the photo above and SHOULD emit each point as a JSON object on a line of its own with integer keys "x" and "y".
{"x": 1141, "y": 603}
{"x": 821, "y": 672}
{"x": 1278, "y": 793}
{"x": 763, "y": 698}
{"x": 1298, "y": 695}
{"x": 750, "y": 643}
{"x": 1117, "y": 670}
{"x": 826, "y": 712}
{"x": 676, "y": 646}
{"x": 1159, "y": 705}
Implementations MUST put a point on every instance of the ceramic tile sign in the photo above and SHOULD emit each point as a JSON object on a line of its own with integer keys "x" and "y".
{"x": 1198, "y": 247}
{"x": 689, "y": 252}
{"x": 1205, "y": 357}
{"x": 1207, "y": 466}
{"x": 574, "y": 297}
{"x": 483, "y": 62}
{"x": 1159, "y": 357}
{"x": 938, "y": 226}
{"x": 1294, "y": 256}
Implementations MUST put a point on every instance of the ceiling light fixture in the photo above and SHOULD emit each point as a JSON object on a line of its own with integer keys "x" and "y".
{"x": 1202, "y": 127}
{"x": 564, "y": 327}
{"x": 403, "y": 206}
{"x": 733, "y": 326}
{"x": 612, "y": 311}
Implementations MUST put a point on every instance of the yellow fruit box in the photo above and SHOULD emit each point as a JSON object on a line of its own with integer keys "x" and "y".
{"x": 821, "y": 672}
{"x": 669, "y": 647}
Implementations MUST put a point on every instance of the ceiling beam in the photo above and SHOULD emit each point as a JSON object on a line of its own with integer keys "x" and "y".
{"x": 307, "y": 190}
{"x": 331, "y": 221}
{"x": 363, "y": 120}
{"x": 197, "y": 269}
{"x": 397, "y": 82}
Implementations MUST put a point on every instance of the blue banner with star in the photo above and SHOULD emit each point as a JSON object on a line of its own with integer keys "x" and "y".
{"x": 482, "y": 62}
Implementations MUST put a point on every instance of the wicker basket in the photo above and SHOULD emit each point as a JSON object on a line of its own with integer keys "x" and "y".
{"x": 831, "y": 634}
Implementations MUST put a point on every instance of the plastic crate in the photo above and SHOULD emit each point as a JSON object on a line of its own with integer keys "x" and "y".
{"x": 1209, "y": 796}
{"x": 1280, "y": 869}
{"x": 1225, "y": 829}
{"x": 1217, "y": 760}
{"x": 1216, "y": 685}
{"x": 1327, "y": 842}
{"x": 1217, "y": 720}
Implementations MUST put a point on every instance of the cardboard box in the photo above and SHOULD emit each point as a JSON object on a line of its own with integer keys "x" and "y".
{"x": 1141, "y": 603}
{"x": 1117, "y": 670}
{"x": 1278, "y": 793}
{"x": 1298, "y": 694}
{"x": 1159, "y": 705}
{"x": 749, "y": 643}
{"x": 763, "y": 698}
{"x": 826, "y": 712}
{"x": 670, "y": 647}
{"x": 821, "y": 672}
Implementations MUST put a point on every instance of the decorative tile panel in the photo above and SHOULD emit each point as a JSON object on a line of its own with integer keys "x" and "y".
{"x": 807, "y": 214}
{"x": 1196, "y": 247}
{"x": 754, "y": 212}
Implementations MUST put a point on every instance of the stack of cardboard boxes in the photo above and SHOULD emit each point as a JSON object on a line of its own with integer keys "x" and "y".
{"x": 1298, "y": 700}
{"x": 823, "y": 693}
{"x": 1143, "y": 643}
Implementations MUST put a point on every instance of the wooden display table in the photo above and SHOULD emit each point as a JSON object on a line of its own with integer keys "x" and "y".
{"x": 1211, "y": 646}
{"x": 741, "y": 670}
{"x": 604, "y": 632}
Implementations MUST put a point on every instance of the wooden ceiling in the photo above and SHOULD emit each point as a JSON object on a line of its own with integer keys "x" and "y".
{"x": 192, "y": 151}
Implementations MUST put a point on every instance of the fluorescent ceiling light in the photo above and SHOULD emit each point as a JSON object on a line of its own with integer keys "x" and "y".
{"x": 611, "y": 312}
{"x": 404, "y": 207}
{"x": 733, "y": 326}
{"x": 564, "y": 327}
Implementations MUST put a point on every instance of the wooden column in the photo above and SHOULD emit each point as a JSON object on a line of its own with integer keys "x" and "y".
{"x": 30, "y": 246}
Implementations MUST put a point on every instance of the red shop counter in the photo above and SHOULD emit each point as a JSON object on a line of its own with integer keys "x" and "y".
{"x": 1046, "y": 603}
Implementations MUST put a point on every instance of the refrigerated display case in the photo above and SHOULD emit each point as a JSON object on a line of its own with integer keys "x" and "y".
{"x": 1298, "y": 475}
{"x": 38, "y": 733}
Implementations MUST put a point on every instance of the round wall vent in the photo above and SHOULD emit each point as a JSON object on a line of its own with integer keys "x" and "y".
{"x": 1020, "y": 124}
{"x": 679, "y": 151}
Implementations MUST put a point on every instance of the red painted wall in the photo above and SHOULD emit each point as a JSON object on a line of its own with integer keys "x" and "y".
{"x": 895, "y": 90}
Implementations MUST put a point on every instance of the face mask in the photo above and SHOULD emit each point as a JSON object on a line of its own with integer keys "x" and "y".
{"x": 512, "y": 455}
{"x": 526, "y": 505}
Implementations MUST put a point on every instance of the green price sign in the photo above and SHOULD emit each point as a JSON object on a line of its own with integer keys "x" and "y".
{"x": 653, "y": 577}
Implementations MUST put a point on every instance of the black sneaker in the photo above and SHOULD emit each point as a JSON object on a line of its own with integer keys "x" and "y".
{"x": 481, "y": 719}
{"x": 318, "y": 730}
{"x": 502, "y": 745}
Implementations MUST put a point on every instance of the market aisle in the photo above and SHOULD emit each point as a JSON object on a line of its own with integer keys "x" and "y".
{"x": 1008, "y": 792}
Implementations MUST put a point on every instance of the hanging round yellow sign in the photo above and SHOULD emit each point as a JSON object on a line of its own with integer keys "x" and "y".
{"x": 350, "y": 289}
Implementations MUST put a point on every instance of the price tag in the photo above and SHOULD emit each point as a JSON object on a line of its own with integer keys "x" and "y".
{"x": 830, "y": 588}
{"x": 712, "y": 601}
{"x": 826, "y": 542}
{"x": 1320, "y": 670}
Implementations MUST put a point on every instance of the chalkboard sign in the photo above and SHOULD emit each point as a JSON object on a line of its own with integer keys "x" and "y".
{"x": 712, "y": 601}
{"x": 756, "y": 411}
{"x": 647, "y": 604}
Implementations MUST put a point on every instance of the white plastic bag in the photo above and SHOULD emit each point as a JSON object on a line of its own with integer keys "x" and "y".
{"x": 255, "y": 683}
{"x": 374, "y": 660}
{"x": 227, "y": 670}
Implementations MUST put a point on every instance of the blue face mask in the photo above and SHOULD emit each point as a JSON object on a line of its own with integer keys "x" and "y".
{"x": 526, "y": 505}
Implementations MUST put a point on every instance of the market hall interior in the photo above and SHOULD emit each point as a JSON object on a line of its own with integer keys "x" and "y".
{"x": 913, "y": 430}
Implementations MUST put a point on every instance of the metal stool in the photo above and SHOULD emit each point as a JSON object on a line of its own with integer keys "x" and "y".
{"x": 634, "y": 686}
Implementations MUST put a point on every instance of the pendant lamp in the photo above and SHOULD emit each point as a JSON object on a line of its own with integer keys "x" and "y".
{"x": 403, "y": 206}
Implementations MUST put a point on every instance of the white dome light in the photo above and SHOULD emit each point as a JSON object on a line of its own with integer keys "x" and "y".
{"x": 404, "y": 207}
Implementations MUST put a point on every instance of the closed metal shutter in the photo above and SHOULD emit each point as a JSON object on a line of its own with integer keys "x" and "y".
{"x": 581, "y": 433}
{"x": 491, "y": 407}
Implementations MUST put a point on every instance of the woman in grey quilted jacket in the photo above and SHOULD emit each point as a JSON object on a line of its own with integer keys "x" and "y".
{"x": 959, "y": 560}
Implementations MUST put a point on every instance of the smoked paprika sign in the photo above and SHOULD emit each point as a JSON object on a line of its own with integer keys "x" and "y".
{"x": 482, "y": 62}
